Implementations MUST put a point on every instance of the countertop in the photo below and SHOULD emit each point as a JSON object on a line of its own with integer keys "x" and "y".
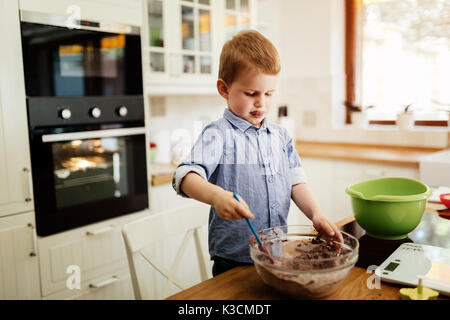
{"x": 390, "y": 155}
{"x": 162, "y": 173}
{"x": 244, "y": 282}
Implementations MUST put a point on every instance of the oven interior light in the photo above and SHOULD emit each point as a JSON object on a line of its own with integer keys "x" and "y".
{"x": 76, "y": 143}
{"x": 83, "y": 164}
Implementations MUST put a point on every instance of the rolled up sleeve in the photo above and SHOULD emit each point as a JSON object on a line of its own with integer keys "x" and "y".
{"x": 205, "y": 156}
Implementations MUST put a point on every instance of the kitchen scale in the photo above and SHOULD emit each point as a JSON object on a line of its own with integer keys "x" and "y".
{"x": 411, "y": 260}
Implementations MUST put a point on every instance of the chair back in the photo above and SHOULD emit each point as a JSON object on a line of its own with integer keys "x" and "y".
{"x": 140, "y": 235}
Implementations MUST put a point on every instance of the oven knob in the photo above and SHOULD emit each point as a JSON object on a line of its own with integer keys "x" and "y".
{"x": 122, "y": 111}
{"x": 95, "y": 112}
{"x": 65, "y": 114}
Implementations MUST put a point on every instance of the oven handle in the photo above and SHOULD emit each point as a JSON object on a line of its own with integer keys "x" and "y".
{"x": 92, "y": 134}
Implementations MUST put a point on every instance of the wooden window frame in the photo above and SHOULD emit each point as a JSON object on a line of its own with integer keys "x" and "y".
{"x": 353, "y": 66}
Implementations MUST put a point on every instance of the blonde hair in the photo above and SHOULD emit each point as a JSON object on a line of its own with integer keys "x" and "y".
{"x": 248, "y": 49}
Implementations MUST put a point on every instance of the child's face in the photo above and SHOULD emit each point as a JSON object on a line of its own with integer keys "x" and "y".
{"x": 250, "y": 95}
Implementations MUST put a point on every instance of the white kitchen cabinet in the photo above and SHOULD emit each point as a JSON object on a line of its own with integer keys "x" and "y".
{"x": 19, "y": 269}
{"x": 328, "y": 179}
{"x": 318, "y": 173}
{"x": 182, "y": 40}
{"x": 15, "y": 176}
{"x": 115, "y": 285}
{"x": 239, "y": 15}
{"x": 98, "y": 251}
{"x": 163, "y": 197}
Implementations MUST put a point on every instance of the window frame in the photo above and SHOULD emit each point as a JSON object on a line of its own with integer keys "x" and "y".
{"x": 353, "y": 67}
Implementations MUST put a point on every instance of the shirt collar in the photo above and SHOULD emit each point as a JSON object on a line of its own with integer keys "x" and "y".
{"x": 243, "y": 124}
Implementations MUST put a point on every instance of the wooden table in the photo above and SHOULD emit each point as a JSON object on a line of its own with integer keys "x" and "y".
{"x": 243, "y": 283}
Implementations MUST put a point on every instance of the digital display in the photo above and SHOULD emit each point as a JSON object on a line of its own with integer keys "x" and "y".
{"x": 391, "y": 266}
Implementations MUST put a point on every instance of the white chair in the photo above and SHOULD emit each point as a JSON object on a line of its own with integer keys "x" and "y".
{"x": 142, "y": 234}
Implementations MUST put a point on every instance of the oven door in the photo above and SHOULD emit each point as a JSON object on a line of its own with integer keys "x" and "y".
{"x": 85, "y": 177}
{"x": 90, "y": 59}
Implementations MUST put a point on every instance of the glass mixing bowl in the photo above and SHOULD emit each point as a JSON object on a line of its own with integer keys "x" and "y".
{"x": 300, "y": 264}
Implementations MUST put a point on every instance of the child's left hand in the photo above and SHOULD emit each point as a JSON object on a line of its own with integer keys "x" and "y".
{"x": 322, "y": 225}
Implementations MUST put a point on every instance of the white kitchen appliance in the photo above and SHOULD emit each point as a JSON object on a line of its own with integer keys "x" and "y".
{"x": 411, "y": 260}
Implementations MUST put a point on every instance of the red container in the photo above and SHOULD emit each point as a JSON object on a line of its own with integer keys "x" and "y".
{"x": 445, "y": 199}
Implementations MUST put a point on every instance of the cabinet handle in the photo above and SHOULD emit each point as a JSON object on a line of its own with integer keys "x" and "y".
{"x": 29, "y": 184}
{"x": 33, "y": 253}
{"x": 100, "y": 231}
{"x": 104, "y": 283}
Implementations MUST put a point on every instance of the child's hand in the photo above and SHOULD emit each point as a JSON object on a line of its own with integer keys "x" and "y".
{"x": 326, "y": 227}
{"x": 228, "y": 208}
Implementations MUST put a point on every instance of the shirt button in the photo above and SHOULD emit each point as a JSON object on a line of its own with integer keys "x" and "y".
{"x": 270, "y": 179}
{"x": 274, "y": 205}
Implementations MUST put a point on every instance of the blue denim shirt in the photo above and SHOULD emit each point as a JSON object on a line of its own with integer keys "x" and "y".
{"x": 259, "y": 164}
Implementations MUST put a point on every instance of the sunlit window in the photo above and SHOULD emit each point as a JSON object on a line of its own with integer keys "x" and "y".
{"x": 406, "y": 58}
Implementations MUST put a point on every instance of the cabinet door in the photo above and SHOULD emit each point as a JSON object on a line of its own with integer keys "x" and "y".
{"x": 180, "y": 46}
{"x": 155, "y": 37}
{"x": 196, "y": 37}
{"x": 163, "y": 197}
{"x": 96, "y": 249}
{"x": 15, "y": 185}
{"x": 319, "y": 174}
{"x": 19, "y": 273}
{"x": 239, "y": 15}
{"x": 114, "y": 285}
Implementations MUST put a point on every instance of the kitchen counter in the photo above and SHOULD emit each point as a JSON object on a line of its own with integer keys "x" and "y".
{"x": 392, "y": 155}
{"x": 244, "y": 282}
{"x": 162, "y": 173}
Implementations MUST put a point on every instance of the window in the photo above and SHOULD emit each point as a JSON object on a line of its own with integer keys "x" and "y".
{"x": 398, "y": 55}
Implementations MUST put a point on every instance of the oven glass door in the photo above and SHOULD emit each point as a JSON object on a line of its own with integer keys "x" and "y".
{"x": 81, "y": 181}
{"x": 59, "y": 61}
{"x": 90, "y": 170}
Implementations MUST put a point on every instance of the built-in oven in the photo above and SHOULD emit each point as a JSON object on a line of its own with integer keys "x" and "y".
{"x": 86, "y": 120}
{"x": 81, "y": 58}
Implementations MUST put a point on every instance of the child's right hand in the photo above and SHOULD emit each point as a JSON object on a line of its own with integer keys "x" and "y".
{"x": 228, "y": 208}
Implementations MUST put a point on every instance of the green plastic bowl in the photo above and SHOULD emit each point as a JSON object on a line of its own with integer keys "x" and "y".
{"x": 389, "y": 208}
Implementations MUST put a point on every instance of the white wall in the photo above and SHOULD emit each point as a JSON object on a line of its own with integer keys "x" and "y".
{"x": 310, "y": 36}
{"x": 171, "y": 113}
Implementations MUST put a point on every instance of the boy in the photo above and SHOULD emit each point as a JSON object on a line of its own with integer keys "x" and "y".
{"x": 244, "y": 153}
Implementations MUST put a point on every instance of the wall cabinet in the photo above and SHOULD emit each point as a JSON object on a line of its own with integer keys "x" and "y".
{"x": 19, "y": 270}
{"x": 15, "y": 176}
{"x": 182, "y": 40}
{"x": 328, "y": 179}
